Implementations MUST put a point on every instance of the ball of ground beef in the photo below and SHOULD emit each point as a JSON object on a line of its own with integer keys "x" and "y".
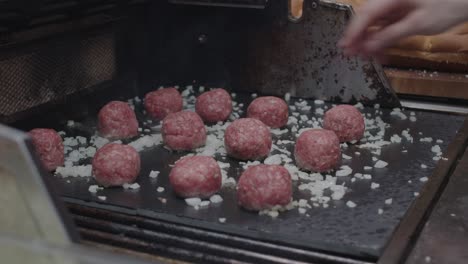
{"x": 317, "y": 150}
{"x": 214, "y": 105}
{"x": 196, "y": 176}
{"x": 162, "y": 102}
{"x": 247, "y": 139}
{"x": 116, "y": 120}
{"x": 272, "y": 111}
{"x": 346, "y": 121}
{"x": 116, "y": 164}
{"x": 264, "y": 186}
{"x": 183, "y": 131}
{"x": 49, "y": 146}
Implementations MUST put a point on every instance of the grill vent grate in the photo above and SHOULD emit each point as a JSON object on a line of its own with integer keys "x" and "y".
{"x": 16, "y": 15}
{"x": 54, "y": 71}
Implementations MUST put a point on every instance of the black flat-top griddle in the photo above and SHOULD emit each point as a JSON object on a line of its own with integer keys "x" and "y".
{"x": 359, "y": 232}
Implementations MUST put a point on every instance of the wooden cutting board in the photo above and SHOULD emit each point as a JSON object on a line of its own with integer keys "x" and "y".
{"x": 448, "y": 85}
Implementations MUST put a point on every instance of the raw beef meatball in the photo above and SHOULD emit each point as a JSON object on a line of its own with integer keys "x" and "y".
{"x": 264, "y": 186}
{"x": 162, "y": 102}
{"x": 272, "y": 111}
{"x": 116, "y": 164}
{"x": 116, "y": 120}
{"x": 49, "y": 146}
{"x": 183, "y": 131}
{"x": 196, "y": 176}
{"x": 346, "y": 121}
{"x": 214, "y": 106}
{"x": 247, "y": 139}
{"x": 317, "y": 150}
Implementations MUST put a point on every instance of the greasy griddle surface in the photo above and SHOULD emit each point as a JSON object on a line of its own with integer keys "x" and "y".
{"x": 359, "y": 231}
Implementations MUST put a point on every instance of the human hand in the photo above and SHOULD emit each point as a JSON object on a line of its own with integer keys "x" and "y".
{"x": 381, "y": 23}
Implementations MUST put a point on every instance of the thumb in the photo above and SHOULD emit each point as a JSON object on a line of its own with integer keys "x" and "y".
{"x": 388, "y": 36}
{"x": 370, "y": 13}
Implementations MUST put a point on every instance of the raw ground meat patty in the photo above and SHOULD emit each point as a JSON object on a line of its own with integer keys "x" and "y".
{"x": 162, "y": 102}
{"x": 247, "y": 139}
{"x": 214, "y": 105}
{"x": 272, "y": 111}
{"x": 346, "y": 121}
{"x": 197, "y": 176}
{"x": 116, "y": 120}
{"x": 183, "y": 131}
{"x": 116, "y": 164}
{"x": 264, "y": 186}
{"x": 317, "y": 150}
{"x": 49, "y": 146}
